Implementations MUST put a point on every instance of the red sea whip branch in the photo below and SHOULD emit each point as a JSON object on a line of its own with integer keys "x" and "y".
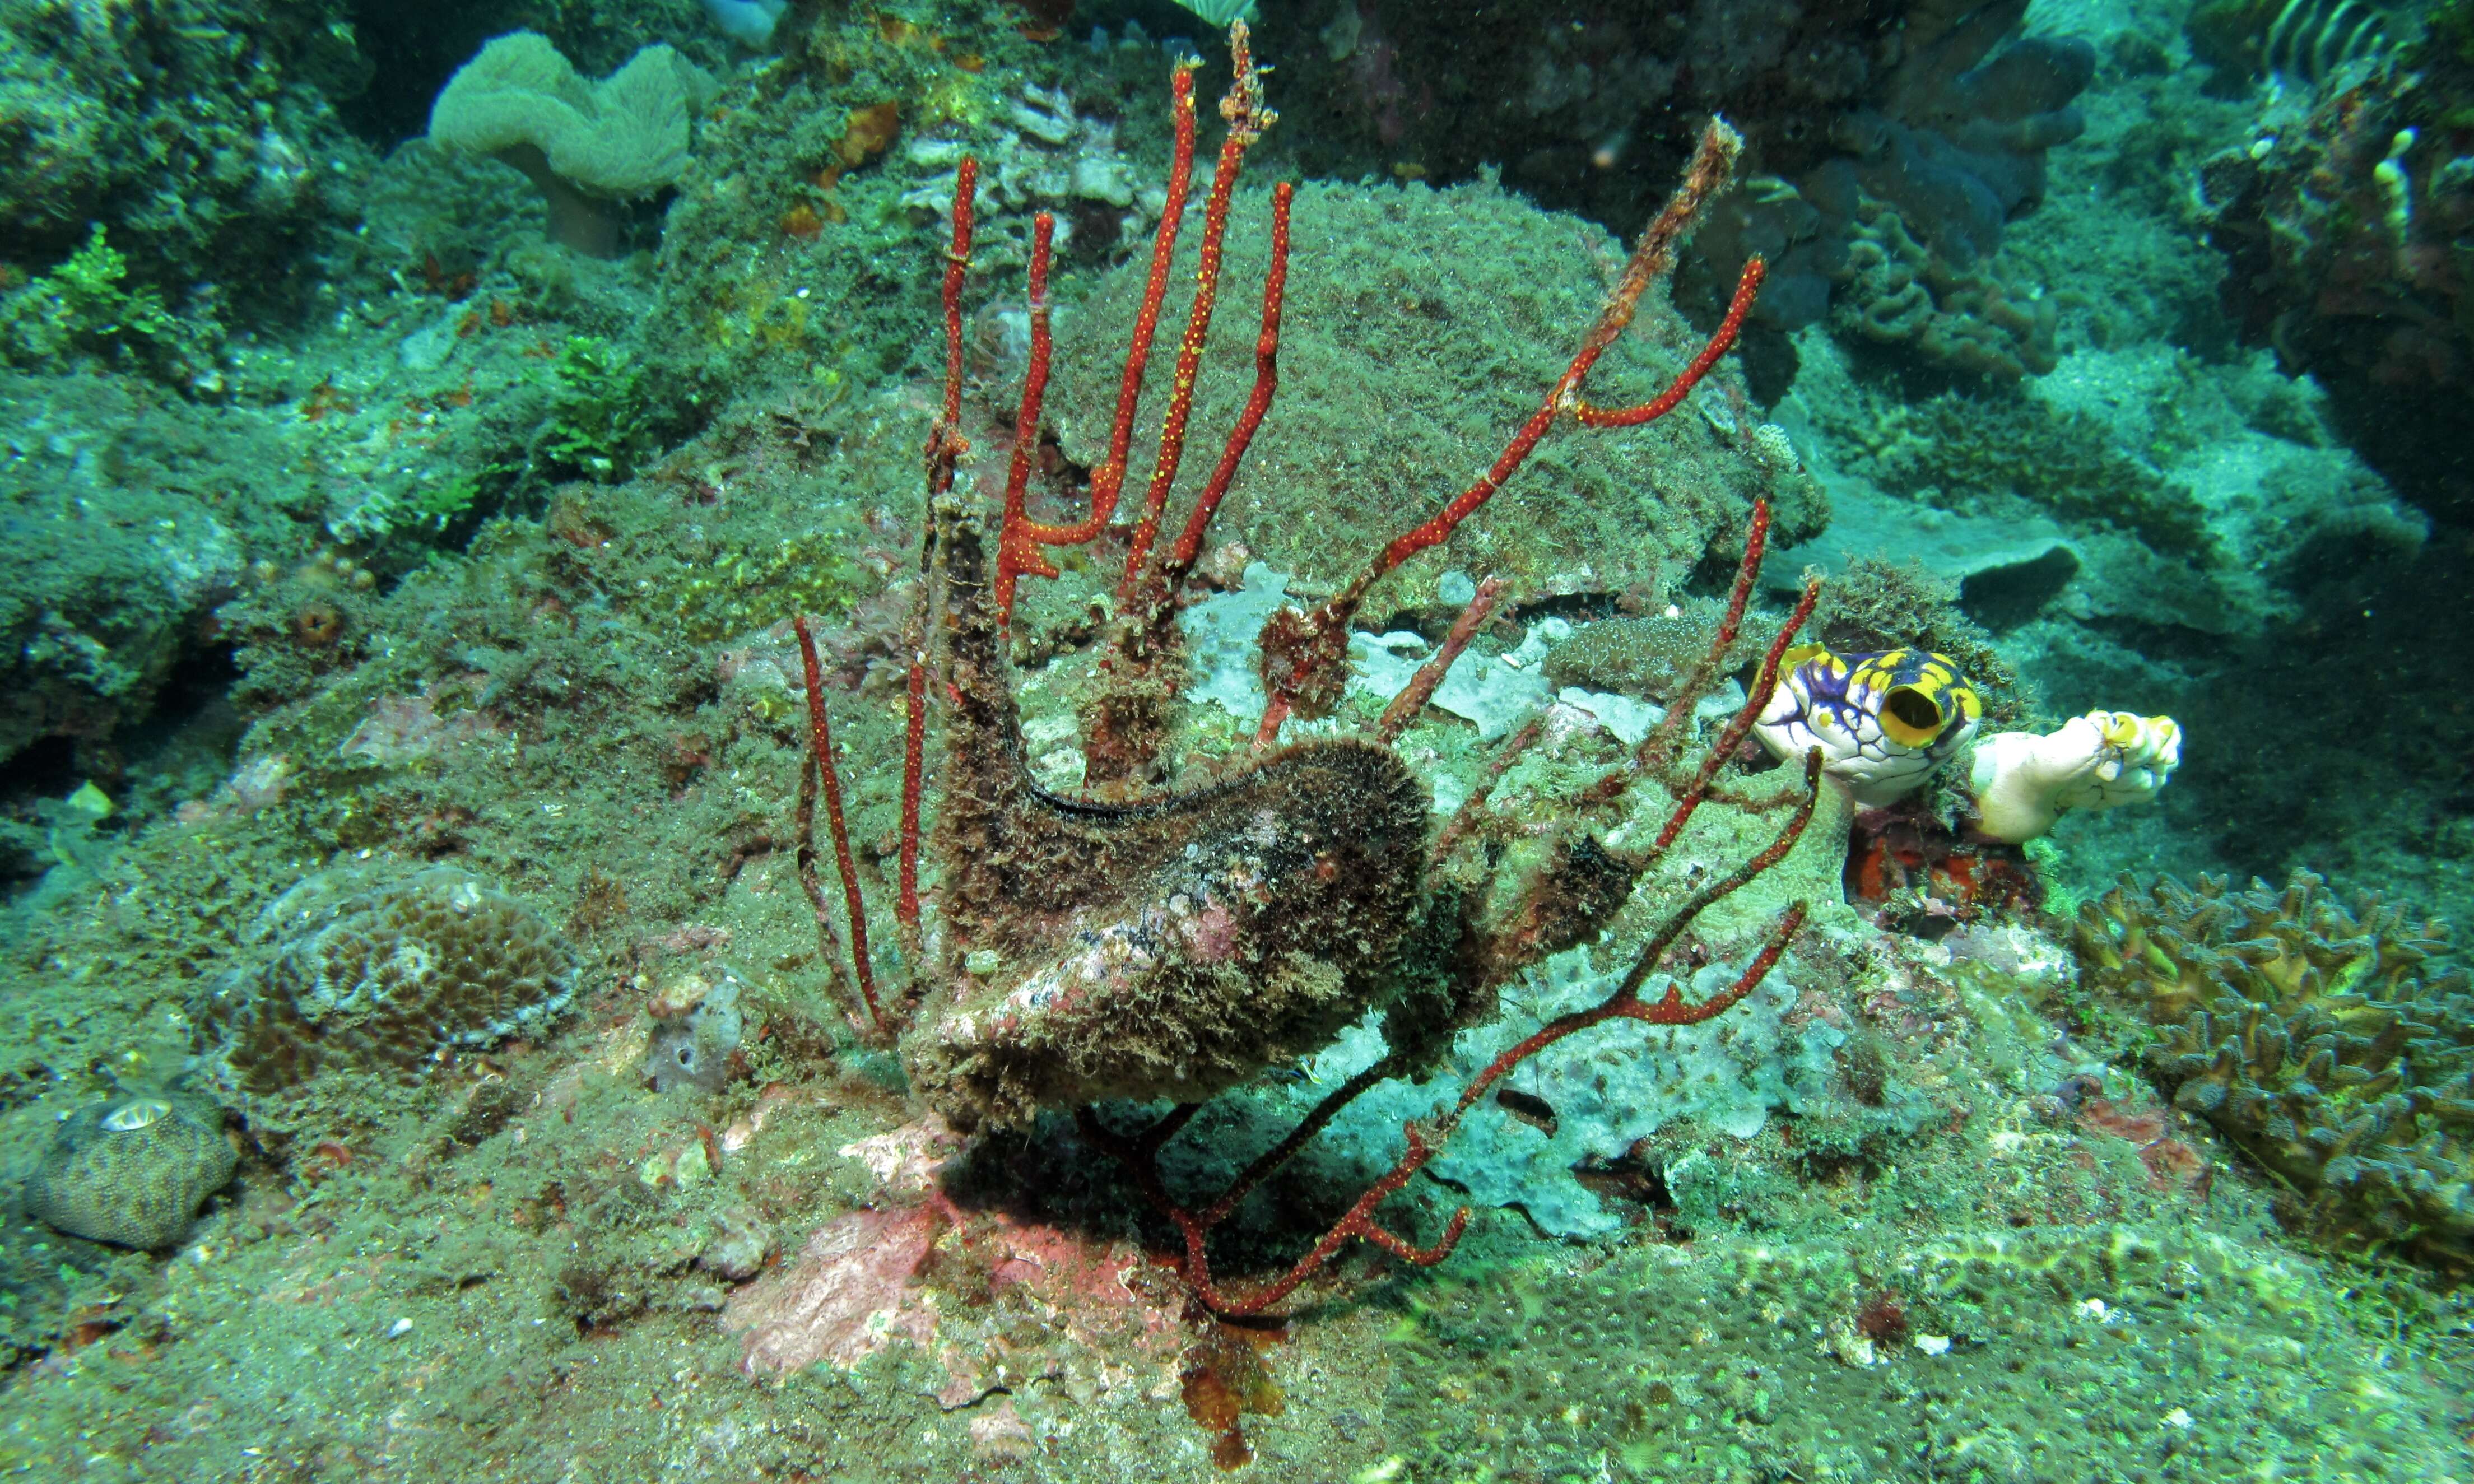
{"x": 1138, "y": 1153}
{"x": 1247, "y": 117}
{"x": 821, "y": 738}
{"x": 1303, "y": 654}
{"x": 1019, "y": 540}
{"x": 946, "y": 446}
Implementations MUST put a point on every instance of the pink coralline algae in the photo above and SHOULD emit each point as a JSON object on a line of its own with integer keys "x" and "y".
{"x": 847, "y": 1295}
{"x": 951, "y": 1281}
{"x": 407, "y": 728}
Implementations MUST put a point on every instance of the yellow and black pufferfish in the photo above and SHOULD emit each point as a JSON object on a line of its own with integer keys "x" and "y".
{"x": 1882, "y": 722}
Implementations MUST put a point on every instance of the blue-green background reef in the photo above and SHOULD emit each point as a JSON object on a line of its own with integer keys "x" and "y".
{"x": 417, "y": 1056}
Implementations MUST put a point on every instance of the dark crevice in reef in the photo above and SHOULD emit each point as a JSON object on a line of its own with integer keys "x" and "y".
{"x": 185, "y": 745}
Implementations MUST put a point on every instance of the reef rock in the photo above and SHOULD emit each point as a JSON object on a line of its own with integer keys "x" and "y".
{"x": 1419, "y": 328}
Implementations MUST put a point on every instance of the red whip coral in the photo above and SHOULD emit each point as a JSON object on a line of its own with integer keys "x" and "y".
{"x": 1170, "y": 945}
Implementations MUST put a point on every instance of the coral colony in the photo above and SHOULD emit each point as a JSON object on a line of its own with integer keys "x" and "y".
{"x": 1170, "y": 946}
{"x": 1491, "y": 860}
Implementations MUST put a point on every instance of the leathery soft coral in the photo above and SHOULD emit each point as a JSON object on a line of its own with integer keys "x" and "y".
{"x": 2336, "y": 1047}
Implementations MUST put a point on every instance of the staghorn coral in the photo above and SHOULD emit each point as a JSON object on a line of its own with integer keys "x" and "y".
{"x": 2336, "y": 1047}
{"x": 131, "y": 1171}
{"x": 383, "y": 975}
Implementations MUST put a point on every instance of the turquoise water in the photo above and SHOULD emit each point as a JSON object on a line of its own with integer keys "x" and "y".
{"x": 1029, "y": 741}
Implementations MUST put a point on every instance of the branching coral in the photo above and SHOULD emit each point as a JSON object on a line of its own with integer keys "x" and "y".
{"x": 2336, "y": 1047}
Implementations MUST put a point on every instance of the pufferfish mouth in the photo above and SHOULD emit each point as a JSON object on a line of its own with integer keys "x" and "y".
{"x": 1913, "y": 717}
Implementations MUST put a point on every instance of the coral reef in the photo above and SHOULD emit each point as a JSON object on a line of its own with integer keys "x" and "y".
{"x": 1566, "y": 1124}
{"x": 201, "y": 132}
{"x": 1905, "y": 212}
{"x": 131, "y": 1171}
{"x": 1392, "y": 296}
{"x": 2062, "y": 459}
{"x": 1063, "y": 923}
{"x": 515, "y": 546}
{"x": 2342, "y": 230}
{"x": 1898, "y": 290}
{"x": 94, "y": 614}
{"x": 782, "y": 263}
{"x": 2335, "y": 1046}
{"x": 129, "y": 514}
{"x": 1033, "y": 1300}
{"x": 1916, "y": 105}
{"x": 388, "y": 976}
{"x": 80, "y": 308}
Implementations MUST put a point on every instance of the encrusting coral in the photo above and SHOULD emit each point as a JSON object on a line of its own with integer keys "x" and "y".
{"x": 2336, "y": 1047}
{"x": 386, "y": 975}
